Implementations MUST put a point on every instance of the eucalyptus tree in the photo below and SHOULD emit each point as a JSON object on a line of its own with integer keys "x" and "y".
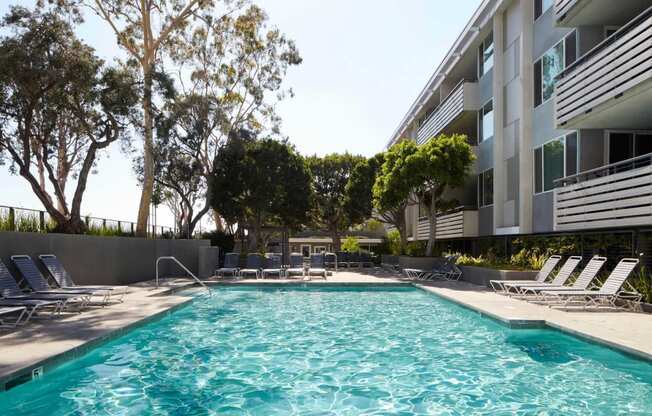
{"x": 60, "y": 106}
{"x": 230, "y": 74}
{"x": 148, "y": 30}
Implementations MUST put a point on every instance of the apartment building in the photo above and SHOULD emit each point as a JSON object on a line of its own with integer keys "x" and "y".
{"x": 556, "y": 99}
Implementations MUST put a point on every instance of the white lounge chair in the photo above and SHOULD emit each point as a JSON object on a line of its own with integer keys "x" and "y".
{"x": 317, "y": 266}
{"x": 608, "y": 295}
{"x": 560, "y": 279}
{"x": 296, "y": 266}
{"x": 548, "y": 267}
{"x": 231, "y": 262}
{"x": 254, "y": 266}
{"x": 7, "y": 311}
{"x": 583, "y": 282}
{"x": 273, "y": 266}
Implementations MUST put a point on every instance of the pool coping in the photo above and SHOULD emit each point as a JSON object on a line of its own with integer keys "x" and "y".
{"x": 24, "y": 374}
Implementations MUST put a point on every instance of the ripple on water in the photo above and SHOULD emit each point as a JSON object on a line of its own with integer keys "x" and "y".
{"x": 337, "y": 352}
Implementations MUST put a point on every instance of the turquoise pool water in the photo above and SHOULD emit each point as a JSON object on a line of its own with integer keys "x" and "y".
{"x": 319, "y": 351}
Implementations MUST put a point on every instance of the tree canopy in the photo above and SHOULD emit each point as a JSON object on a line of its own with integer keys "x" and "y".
{"x": 261, "y": 183}
{"x": 60, "y": 105}
{"x": 334, "y": 209}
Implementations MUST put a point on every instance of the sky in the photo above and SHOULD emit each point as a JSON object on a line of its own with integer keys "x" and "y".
{"x": 364, "y": 63}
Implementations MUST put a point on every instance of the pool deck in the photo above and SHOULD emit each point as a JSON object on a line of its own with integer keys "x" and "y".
{"x": 46, "y": 342}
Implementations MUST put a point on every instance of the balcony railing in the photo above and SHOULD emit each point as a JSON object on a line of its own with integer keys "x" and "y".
{"x": 458, "y": 223}
{"x": 562, "y": 7}
{"x": 460, "y": 99}
{"x": 614, "y": 67}
{"x": 616, "y": 195}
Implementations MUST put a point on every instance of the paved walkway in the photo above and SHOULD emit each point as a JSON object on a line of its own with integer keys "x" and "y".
{"x": 47, "y": 342}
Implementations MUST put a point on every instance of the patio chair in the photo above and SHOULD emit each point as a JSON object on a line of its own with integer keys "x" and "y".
{"x": 548, "y": 267}
{"x": 12, "y": 295}
{"x": 19, "y": 310}
{"x": 33, "y": 277}
{"x": 366, "y": 260}
{"x": 254, "y": 266}
{"x": 390, "y": 263}
{"x": 560, "y": 279}
{"x": 437, "y": 270}
{"x": 330, "y": 261}
{"x": 342, "y": 258}
{"x": 583, "y": 281}
{"x": 317, "y": 265}
{"x": 296, "y": 265}
{"x": 608, "y": 295}
{"x": 450, "y": 271}
{"x": 64, "y": 280}
{"x": 231, "y": 262}
{"x": 355, "y": 260}
{"x": 273, "y": 265}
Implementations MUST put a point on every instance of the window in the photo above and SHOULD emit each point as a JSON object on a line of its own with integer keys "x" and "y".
{"x": 556, "y": 159}
{"x": 486, "y": 122}
{"x": 486, "y": 55}
{"x": 486, "y": 188}
{"x": 626, "y": 145}
{"x": 540, "y": 7}
{"x": 551, "y": 64}
{"x": 610, "y": 30}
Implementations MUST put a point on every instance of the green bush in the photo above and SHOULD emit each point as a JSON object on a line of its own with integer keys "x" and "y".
{"x": 416, "y": 248}
{"x": 351, "y": 245}
{"x": 394, "y": 242}
{"x": 642, "y": 283}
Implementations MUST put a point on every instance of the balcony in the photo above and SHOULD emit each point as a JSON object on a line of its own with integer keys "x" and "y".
{"x": 458, "y": 223}
{"x": 463, "y": 98}
{"x": 617, "y": 195}
{"x": 575, "y": 13}
{"x": 610, "y": 86}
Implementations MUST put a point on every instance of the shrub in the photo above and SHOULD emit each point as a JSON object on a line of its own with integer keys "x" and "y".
{"x": 416, "y": 248}
{"x": 394, "y": 242}
{"x": 351, "y": 245}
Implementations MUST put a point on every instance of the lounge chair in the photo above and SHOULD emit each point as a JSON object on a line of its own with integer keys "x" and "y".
{"x": 231, "y": 262}
{"x": 317, "y": 266}
{"x": 330, "y": 261}
{"x": 390, "y": 263}
{"x": 609, "y": 293}
{"x": 366, "y": 260}
{"x": 450, "y": 271}
{"x": 548, "y": 267}
{"x": 33, "y": 277}
{"x": 273, "y": 265}
{"x": 18, "y": 310}
{"x": 296, "y": 265}
{"x": 64, "y": 280}
{"x": 560, "y": 279}
{"x": 254, "y": 266}
{"x": 12, "y": 295}
{"x": 583, "y": 281}
{"x": 438, "y": 270}
{"x": 342, "y": 258}
{"x": 355, "y": 260}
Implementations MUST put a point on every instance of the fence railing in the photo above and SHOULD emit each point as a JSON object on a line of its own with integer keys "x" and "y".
{"x": 37, "y": 221}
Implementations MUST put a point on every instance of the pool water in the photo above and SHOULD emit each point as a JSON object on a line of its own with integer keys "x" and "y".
{"x": 337, "y": 351}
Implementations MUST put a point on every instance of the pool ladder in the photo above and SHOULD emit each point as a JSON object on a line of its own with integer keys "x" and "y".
{"x": 174, "y": 259}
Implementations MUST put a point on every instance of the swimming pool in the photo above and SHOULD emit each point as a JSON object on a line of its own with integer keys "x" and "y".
{"x": 337, "y": 351}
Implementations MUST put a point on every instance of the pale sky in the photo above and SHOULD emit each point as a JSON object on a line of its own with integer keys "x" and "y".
{"x": 365, "y": 61}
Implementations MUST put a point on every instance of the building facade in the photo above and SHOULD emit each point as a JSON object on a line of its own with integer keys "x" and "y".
{"x": 555, "y": 97}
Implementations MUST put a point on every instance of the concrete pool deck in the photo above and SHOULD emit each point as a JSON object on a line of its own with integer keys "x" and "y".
{"x": 48, "y": 342}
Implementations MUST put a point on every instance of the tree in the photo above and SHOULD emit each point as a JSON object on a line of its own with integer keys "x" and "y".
{"x": 358, "y": 194}
{"x": 230, "y": 71}
{"x": 393, "y": 185}
{"x": 60, "y": 106}
{"x": 145, "y": 30}
{"x": 332, "y": 210}
{"x": 441, "y": 163}
{"x": 261, "y": 183}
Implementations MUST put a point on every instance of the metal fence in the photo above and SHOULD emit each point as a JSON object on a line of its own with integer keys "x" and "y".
{"x": 37, "y": 221}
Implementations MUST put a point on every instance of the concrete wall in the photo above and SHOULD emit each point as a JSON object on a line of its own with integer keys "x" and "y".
{"x": 482, "y": 276}
{"x": 103, "y": 260}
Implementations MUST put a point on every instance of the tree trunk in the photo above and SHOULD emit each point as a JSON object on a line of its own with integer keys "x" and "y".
{"x": 401, "y": 226}
{"x": 432, "y": 224}
{"x": 337, "y": 240}
{"x": 73, "y": 225}
{"x": 148, "y": 156}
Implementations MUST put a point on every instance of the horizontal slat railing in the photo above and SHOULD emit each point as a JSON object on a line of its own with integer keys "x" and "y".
{"x": 562, "y": 7}
{"x": 615, "y": 66}
{"x": 442, "y": 116}
{"x": 449, "y": 225}
{"x": 611, "y": 197}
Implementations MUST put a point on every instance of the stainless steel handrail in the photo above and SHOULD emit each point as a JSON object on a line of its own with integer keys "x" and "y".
{"x": 174, "y": 259}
